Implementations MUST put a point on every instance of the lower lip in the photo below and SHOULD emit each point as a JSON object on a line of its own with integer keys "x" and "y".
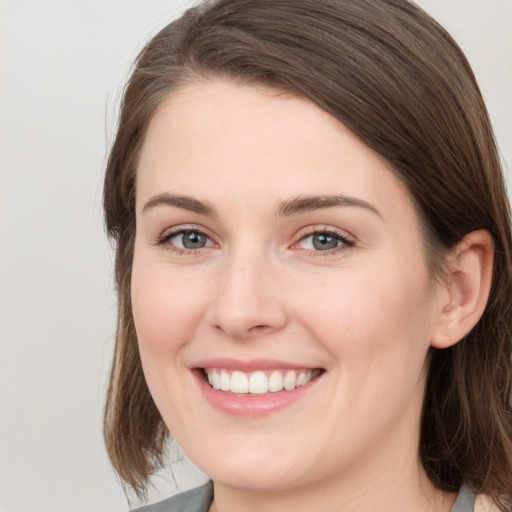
{"x": 252, "y": 405}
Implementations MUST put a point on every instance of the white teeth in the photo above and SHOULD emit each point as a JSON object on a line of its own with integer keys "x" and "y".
{"x": 302, "y": 379}
{"x": 259, "y": 382}
{"x": 275, "y": 381}
{"x": 225, "y": 381}
{"x": 289, "y": 380}
{"x": 214, "y": 380}
{"x": 239, "y": 383}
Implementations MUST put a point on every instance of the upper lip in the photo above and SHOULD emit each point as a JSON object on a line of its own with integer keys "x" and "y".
{"x": 252, "y": 365}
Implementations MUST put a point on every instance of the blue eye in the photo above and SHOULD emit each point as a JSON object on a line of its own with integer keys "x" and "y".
{"x": 190, "y": 240}
{"x": 324, "y": 241}
{"x": 186, "y": 239}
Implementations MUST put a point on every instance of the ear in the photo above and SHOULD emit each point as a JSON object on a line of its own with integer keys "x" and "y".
{"x": 466, "y": 290}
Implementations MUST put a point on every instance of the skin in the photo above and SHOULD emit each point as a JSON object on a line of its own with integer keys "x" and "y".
{"x": 366, "y": 312}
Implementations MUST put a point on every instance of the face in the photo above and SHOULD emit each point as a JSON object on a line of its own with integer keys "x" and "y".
{"x": 280, "y": 294}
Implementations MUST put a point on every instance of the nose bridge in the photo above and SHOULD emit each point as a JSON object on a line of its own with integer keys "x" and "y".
{"x": 247, "y": 302}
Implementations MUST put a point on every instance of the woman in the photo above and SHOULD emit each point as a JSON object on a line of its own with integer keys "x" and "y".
{"x": 313, "y": 263}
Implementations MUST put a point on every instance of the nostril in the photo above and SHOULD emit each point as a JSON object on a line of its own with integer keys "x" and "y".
{"x": 260, "y": 327}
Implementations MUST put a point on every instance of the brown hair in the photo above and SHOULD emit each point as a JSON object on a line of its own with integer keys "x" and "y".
{"x": 393, "y": 76}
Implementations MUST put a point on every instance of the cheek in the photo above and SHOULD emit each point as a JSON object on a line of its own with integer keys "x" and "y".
{"x": 166, "y": 309}
{"x": 377, "y": 335}
{"x": 381, "y": 315}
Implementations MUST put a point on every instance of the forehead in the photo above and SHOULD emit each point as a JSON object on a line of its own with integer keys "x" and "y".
{"x": 236, "y": 142}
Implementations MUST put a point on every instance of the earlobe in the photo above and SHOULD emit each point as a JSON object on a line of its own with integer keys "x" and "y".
{"x": 467, "y": 289}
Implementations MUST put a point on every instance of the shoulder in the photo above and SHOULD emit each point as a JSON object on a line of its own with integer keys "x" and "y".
{"x": 484, "y": 504}
{"x": 195, "y": 500}
{"x": 467, "y": 501}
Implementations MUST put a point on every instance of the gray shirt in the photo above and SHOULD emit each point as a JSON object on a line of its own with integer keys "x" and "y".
{"x": 200, "y": 499}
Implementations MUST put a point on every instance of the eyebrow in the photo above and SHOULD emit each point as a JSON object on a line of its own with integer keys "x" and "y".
{"x": 306, "y": 203}
{"x": 297, "y": 205}
{"x": 186, "y": 202}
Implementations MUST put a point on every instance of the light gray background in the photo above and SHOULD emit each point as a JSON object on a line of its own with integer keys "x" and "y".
{"x": 62, "y": 65}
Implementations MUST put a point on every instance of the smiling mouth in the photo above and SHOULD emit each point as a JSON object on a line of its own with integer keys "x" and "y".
{"x": 258, "y": 382}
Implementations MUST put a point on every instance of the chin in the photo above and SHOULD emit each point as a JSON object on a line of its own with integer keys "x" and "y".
{"x": 266, "y": 467}
{"x": 263, "y": 479}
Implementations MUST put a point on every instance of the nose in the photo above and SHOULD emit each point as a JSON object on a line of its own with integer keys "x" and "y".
{"x": 248, "y": 302}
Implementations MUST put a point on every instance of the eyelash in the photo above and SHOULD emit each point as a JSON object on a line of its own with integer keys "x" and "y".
{"x": 345, "y": 241}
{"x": 165, "y": 239}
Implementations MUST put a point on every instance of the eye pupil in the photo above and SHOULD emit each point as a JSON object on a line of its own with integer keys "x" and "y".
{"x": 193, "y": 240}
{"x": 323, "y": 242}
